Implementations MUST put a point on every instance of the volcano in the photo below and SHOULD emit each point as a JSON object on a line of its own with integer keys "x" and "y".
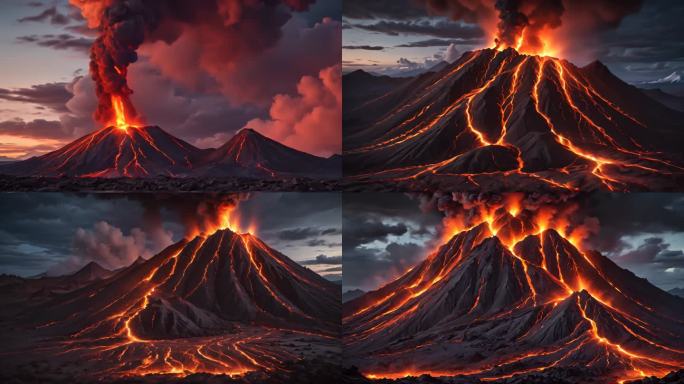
{"x": 250, "y": 153}
{"x": 507, "y": 298}
{"x": 224, "y": 303}
{"x": 149, "y": 151}
{"x": 496, "y": 120}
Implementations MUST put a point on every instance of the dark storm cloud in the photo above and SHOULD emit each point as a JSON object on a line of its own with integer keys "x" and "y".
{"x": 653, "y": 36}
{"x": 364, "y": 47}
{"x": 632, "y": 215}
{"x": 50, "y": 95}
{"x": 51, "y": 15}
{"x": 653, "y": 252}
{"x": 364, "y": 231}
{"x": 37, "y": 129}
{"x": 646, "y": 252}
{"x": 439, "y": 43}
{"x": 62, "y": 41}
{"x": 324, "y": 259}
{"x": 372, "y": 223}
{"x": 298, "y": 233}
{"x": 382, "y": 9}
{"x": 331, "y": 231}
{"x": 369, "y": 268}
{"x": 439, "y": 28}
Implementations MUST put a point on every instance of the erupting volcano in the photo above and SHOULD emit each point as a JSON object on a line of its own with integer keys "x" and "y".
{"x": 497, "y": 119}
{"x": 219, "y": 302}
{"x": 511, "y": 291}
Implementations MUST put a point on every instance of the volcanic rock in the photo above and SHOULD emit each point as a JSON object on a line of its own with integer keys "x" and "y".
{"x": 540, "y": 121}
{"x": 486, "y": 309}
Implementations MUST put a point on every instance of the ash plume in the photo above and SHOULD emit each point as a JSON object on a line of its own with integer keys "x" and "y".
{"x": 124, "y": 25}
{"x": 512, "y": 18}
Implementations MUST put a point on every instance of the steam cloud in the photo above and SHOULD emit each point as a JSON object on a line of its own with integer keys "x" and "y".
{"x": 124, "y": 25}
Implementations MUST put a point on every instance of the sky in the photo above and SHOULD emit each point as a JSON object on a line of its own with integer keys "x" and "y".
{"x": 395, "y": 37}
{"x": 384, "y": 235}
{"x": 59, "y": 233}
{"x": 200, "y": 81}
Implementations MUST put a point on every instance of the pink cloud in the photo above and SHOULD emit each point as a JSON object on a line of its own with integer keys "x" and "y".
{"x": 310, "y": 121}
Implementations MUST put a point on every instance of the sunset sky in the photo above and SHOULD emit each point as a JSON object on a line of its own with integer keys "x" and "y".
{"x": 47, "y": 97}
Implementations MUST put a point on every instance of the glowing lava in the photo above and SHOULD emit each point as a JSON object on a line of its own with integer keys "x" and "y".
{"x": 518, "y": 281}
{"x": 121, "y": 120}
{"x": 220, "y": 303}
{"x": 502, "y": 117}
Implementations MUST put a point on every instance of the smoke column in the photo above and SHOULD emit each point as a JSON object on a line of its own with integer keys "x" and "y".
{"x": 124, "y": 25}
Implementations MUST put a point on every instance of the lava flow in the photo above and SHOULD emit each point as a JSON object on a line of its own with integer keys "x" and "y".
{"x": 218, "y": 302}
{"x": 513, "y": 291}
{"x": 121, "y": 120}
{"x": 496, "y": 118}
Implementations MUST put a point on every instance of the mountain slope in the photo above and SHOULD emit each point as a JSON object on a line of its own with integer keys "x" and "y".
{"x": 250, "y": 153}
{"x": 196, "y": 288}
{"x": 539, "y": 121}
{"x": 113, "y": 152}
{"x": 223, "y": 303}
{"x": 489, "y": 307}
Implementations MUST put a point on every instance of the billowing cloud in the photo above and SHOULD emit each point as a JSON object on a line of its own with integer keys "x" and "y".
{"x": 310, "y": 121}
{"x": 108, "y": 246}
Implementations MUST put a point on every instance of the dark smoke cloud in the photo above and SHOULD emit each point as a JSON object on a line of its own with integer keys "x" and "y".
{"x": 124, "y": 25}
{"x": 581, "y": 17}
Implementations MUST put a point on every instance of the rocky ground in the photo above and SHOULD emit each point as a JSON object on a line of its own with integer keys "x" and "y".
{"x": 301, "y": 372}
{"x": 549, "y": 376}
{"x": 163, "y": 184}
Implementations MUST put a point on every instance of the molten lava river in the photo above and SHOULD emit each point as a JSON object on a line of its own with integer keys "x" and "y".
{"x": 220, "y": 302}
{"x": 512, "y": 291}
{"x": 497, "y": 119}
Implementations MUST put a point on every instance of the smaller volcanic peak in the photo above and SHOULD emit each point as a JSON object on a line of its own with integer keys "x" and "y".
{"x": 90, "y": 272}
{"x": 250, "y": 153}
{"x": 513, "y": 294}
{"x": 114, "y": 152}
{"x": 200, "y": 287}
{"x": 501, "y": 114}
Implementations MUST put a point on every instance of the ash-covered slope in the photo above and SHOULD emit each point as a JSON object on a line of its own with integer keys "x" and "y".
{"x": 251, "y": 154}
{"x": 499, "y": 117}
{"x": 197, "y": 288}
{"x": 113, "y": 152}
{"x": 140, "y": 152}
{"x": 494, "y": 306}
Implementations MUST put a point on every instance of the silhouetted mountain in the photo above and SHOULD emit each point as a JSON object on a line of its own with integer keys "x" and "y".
{"x": 251, "y": 154}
